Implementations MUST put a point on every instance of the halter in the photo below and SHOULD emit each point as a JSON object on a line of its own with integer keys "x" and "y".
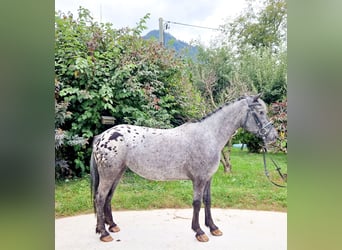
{"x": 263, "y": 131}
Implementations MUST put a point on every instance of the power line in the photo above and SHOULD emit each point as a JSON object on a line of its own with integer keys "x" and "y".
{"x": 195, "y": 26}
{"x": 166, "y": 25}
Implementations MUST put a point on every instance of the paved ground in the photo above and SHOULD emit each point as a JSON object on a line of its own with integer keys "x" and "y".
{"x": 170, "y": 229}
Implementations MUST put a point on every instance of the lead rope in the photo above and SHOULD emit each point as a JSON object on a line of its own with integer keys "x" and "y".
{"x": 283, "y": 176}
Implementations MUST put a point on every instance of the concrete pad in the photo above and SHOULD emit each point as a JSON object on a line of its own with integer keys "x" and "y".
{"x": 171, "y": 229}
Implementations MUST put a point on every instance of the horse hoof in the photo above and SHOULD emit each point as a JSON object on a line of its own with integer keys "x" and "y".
{"x": 114, "y": 229}
{"x": 106, "y": 238}
{"x": 202, "y": 238}
{"x": 216, "y": 232}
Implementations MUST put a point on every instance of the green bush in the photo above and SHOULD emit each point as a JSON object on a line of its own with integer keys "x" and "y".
{"x": 278, "y": 114}
{"x": 64, "y": 140}
{"x": 104, "y": 71}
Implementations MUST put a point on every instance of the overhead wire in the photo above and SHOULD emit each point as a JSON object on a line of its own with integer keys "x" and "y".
{"x": 191, "y": 25}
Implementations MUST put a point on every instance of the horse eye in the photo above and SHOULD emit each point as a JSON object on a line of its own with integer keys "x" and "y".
{"x": 261, "y": 112}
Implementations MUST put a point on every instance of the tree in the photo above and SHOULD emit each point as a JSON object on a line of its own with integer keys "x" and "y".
{"x": 259, "y": 28}
{"x": 266, "y": 71}
{"x": 258, "y": 37}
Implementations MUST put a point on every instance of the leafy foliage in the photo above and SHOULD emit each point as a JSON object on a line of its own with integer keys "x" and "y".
{"x": 266, "y": 71}
{"x": 214, "y": 70}
{"x": 111, "y": 72}
{"x": 257, "y": 38}
{"x": 251, "y": 51}
{"x": 63, "y": 139}
{"x": 279, "y": 118}
{"x": 257, "y": 28}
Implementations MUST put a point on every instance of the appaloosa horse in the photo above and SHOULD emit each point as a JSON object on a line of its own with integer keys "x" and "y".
{"x": 188, "y": 152}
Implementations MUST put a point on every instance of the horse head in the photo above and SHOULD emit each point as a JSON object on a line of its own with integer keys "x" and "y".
{"x": 257, "y": 121}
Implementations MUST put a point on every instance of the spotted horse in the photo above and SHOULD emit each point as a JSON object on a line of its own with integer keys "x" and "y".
{"x": 187, "y": 152}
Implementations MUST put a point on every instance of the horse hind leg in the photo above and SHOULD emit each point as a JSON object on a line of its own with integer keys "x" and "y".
{"x": 100, "y": 200}
{"x": 113, "y": 227}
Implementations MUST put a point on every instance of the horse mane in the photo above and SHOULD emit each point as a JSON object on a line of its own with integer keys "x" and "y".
{"x": 218, "y": 109}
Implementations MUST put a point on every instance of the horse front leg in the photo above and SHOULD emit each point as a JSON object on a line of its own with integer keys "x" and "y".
{"x": 198, "y": 194}
{"x": 208, "y": 218}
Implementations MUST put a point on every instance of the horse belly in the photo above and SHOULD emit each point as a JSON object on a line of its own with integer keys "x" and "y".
{"x": 158, "y": 166}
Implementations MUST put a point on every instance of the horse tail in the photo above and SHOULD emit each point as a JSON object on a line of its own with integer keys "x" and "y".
{"x": 94, "y": 176}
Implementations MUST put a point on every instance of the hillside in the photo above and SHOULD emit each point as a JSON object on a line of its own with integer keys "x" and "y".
{"x": 173, "y": 43}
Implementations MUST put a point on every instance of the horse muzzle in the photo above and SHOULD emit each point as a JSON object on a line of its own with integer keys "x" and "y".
{"x": 268, "y": 133}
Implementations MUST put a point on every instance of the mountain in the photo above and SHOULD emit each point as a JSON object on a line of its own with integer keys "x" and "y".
{"x": 171, "y": 42}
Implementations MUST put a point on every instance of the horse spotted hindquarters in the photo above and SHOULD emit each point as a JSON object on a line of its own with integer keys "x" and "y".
{"x": 188, "y": 152}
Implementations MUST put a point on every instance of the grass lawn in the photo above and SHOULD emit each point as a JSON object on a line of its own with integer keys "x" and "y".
{"x": 245, "y": 188}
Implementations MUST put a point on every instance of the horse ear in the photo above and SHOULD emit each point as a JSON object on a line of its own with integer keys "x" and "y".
{"x": 256, "y": 97}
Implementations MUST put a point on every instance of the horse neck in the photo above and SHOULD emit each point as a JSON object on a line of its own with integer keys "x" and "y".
{"x": 222, "y": 124}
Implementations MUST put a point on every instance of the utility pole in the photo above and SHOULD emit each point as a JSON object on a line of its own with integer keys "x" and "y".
{"x": 161, "y": 31}
{"x": 100, "y": 13}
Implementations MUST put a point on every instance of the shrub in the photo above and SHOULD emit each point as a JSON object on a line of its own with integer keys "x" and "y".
{"x": 279, "y": 117}
{"x": 64, "y": 140}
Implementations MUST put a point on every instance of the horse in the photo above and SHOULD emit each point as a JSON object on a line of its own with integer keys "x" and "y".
{"x": 188, "y": 152}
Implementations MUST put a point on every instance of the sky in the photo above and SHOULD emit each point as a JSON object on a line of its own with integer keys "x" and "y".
{"x": 127, "y": 13}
